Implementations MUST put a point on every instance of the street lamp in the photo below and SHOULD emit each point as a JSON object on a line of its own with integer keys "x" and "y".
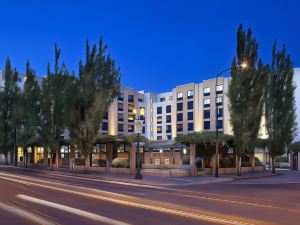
{"x": 243, "y": 65}
{"x": 138, "y": 122}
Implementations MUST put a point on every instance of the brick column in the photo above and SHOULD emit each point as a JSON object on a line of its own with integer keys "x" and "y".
{"x": 192, "y": 159}
{"x": 56, "y": 158}
{"x": 132, "y": 159}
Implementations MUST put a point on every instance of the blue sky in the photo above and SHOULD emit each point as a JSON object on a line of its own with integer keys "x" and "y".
{"x": 157, "y": 44}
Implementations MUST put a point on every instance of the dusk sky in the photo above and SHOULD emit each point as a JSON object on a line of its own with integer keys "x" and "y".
{"x": 157, "y": 44}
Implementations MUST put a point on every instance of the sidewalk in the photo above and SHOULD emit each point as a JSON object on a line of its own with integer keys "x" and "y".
{"x": 129, "y": 178}
{"x": 156, "y": 181}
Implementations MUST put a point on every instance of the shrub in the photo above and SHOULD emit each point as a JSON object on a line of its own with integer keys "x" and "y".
{"x": 120, "y": 163}
{"x": 226, "y": 163}
{"x": 258, "y": 162}
{"x": 281, "y": 159}
{"x": 246, "y": 164}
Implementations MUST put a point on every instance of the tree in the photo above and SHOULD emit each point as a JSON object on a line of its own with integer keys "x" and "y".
{"x": 90, "y": 97}
{"x": 29, "y": 110}
{"x": 7, "y": 112}
{"x": 246, "y": 94}
{"x": 279, "y": 100}
{"x": 52, "y": 105}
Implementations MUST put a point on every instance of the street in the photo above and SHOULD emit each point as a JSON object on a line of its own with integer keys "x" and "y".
{"x": 44, "y": 197}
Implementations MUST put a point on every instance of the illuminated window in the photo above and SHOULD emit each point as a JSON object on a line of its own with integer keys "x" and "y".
{"x": 219, "y": 88}
{"x": 206, "y": 102}
{"x": 159, "y": 129}
{"x": 151, "y": 119}
{"x": 206, "y": 91}
{"x": 179, "y": 95}
{"x": 151, "y": 100}
{"x": 159, "y": 119}
{"x": 20, "y": 154}
{"x": 219, "y": 100}
{"x": 190, "y": 93}
{"x": 151, "y": 129}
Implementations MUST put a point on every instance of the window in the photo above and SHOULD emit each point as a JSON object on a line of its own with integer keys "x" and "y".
{"x": 190, "y": 105}
{"x": 219, "y": 100}
{"x": 159, "y": 138}
{"x": 220, "y": 124}
{"x": 130, "y": 108}
{"x": 168, "y": 108}
{"x": 159, "y": 129}
{"x": 206, "y": 125}
{"x": 206, "y": 91}
{"x": 130, "y": 98}
{"x": 206, "y": 114}
{"x": 130, "y": 128}
{"x": 190, "y": 126}
{"x": 220, "y": 112}
{"x": 120, "y": 127}
{"x": 104, "y": 126}
{"x": 190, "y": 94}
{"x": 120, "y": 107}
{"x": 168, "y": 118}
{"x": 151, "y": 119}
{"x": 168, "y": 129}
{"x": 151, "y": 129}
{"x": 179, "y": 106}
{"x": 162, "y": 99}
{"x": 179, "y": 117}
{"x": 159, "y": 110}
{"x": 190, "y": 115}
{"x": 121, "y": 97}
{"x": 140, "y": 100}
{"x": 206, "y": 102}
{"x": 179, "y": 127}
{"x": 105, "y": 117}
{"x": 151, "y": 100}
{"x": 159, "y": 119}
{"x": 169, "y": 137}
{"x": 171, "y": 98}
{"x": 179, "y": 96}
{"x": 219, "y": 89}
{"x": 130, "y": 119}
{"x": 151, "y": 109}
{"x": 120, "y": 117}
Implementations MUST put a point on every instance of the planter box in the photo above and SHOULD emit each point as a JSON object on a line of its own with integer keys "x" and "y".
{"x": 166, "y": 172}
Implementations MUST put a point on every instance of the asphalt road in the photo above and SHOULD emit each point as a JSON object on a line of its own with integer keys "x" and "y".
{"x": 38, "y": 197}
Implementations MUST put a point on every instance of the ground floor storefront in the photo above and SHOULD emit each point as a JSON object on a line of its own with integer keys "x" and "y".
{"x": 161, "y": 158}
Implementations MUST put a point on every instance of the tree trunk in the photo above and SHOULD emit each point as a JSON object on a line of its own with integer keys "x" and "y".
{"x": 6, "y": 158}
{"x": 238, "y": 165}
{"x": 51, "y": 161}
{"x": 273, "y": 164}
{"x": 86, "y": 163}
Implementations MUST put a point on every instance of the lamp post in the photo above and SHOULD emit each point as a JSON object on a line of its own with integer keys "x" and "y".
{"x": 139, "y": 126}
{"x": 243, "y": 66}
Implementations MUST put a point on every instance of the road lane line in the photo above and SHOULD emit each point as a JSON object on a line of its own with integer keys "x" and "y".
{"x": 176, "y": 194}
{"x": 143, "y": 205}
{"x": 25, "y": 214}
{"x": 72, "y": 210}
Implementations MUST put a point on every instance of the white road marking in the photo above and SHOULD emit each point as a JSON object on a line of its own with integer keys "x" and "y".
{"x": 25, "y": 214}
{"x": 72, "y": 210}
{"x": 143, "y": 205}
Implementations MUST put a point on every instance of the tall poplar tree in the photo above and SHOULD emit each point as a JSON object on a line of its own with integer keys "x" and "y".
{"x": 29, "y": 110}
{"x": 8, "y": 98}
{"x": 52, "y": 106}
{"x": 90, "y": 97}
{"x": 280, "y": 107}
{"x": 246, "y": 94}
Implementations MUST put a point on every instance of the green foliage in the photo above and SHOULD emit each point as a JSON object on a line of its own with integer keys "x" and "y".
{"x": 52, "y": 103}
{"x": 294, "y": 147}
{"x": 120, "y": 163}
{"x": 203, "y": 137}
{"x": 280, "y": 102}
{"x": 281, "y": 159}
{"x": 89, "y": 97}
{"x": 28, "y": 109}
{"x": 246, "y": 92}
{"x": 8, "y": 100}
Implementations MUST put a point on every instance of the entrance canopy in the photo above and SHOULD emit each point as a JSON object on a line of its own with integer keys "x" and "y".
{"x": 164, "y": 145}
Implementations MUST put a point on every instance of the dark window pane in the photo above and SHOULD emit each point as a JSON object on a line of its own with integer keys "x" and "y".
{"x": 190, "y": 105}
{"x": 179, "y": 117}
{"x": 179, "y": 106}
{"x": 159, "y": 110}
{"x": 190, "y": 115}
